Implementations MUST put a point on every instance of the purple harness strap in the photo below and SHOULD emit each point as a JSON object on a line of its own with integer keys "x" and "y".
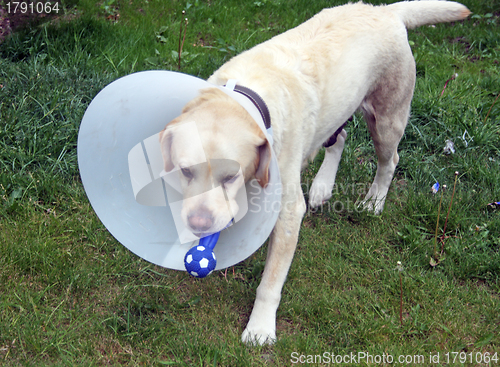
{"x": 333, "y": 139}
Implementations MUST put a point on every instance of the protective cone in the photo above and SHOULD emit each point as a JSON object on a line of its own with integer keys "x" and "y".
{"x": 122, "y": 172}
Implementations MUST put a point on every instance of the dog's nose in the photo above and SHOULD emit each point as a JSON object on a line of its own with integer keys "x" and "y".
{"x": 200, "y": 220}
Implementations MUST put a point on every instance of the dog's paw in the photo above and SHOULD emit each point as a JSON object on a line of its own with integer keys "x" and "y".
{"x": 259, "y": 336}
{"x": 372, "y": 205}
{"x": 320, "y": 193}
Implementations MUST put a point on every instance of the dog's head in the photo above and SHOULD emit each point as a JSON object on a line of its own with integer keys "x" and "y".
{"x": 214, "y": 147}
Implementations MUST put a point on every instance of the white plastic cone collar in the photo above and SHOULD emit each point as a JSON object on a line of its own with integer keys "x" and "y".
{"x": 122, "y": 172}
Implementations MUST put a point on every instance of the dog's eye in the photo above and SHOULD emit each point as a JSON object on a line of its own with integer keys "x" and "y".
{"x": 187, "y": 173}
{"x": 229, "y": 179}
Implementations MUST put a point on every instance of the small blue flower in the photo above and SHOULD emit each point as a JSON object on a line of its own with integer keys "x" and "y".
{"x": 435, "y": 188}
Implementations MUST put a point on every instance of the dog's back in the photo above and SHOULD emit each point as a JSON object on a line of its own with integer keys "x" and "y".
{"x": 329, "y": 30}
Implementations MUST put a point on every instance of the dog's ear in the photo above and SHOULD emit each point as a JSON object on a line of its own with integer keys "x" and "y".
{"x": 165, "y": 144}
{"x": 264, "y": 160}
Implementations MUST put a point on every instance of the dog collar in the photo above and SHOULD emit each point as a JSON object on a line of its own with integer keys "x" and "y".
{"x": 257, "y": 101}
{"x": 255, "y": 98}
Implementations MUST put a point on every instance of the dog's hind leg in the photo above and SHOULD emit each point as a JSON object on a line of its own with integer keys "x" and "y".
{"x": 261, "y": 327}
{"x": 322, "y": 186}
{"x": 386, "y": 115}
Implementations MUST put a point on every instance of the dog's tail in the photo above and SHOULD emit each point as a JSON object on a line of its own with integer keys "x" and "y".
{"x": 417, "y": 13}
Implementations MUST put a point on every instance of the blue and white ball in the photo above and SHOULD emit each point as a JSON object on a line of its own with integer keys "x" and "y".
{"x": 200, "y": 261}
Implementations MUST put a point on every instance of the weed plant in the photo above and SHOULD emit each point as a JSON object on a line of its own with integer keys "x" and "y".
{"x": 70, "y": 294}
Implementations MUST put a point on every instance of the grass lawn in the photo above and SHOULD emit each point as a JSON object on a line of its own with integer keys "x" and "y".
{"x": 70, "y": 294}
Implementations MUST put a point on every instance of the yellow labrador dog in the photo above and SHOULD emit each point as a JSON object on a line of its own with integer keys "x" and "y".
{"x": 312, "y": 79}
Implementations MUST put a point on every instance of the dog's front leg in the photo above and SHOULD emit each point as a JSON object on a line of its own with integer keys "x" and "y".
{"x": 322, "y": 186}
{"x": 261, "y": 327}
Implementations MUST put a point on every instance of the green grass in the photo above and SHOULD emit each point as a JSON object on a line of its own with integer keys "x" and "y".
{"x": 70, "y": 294}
